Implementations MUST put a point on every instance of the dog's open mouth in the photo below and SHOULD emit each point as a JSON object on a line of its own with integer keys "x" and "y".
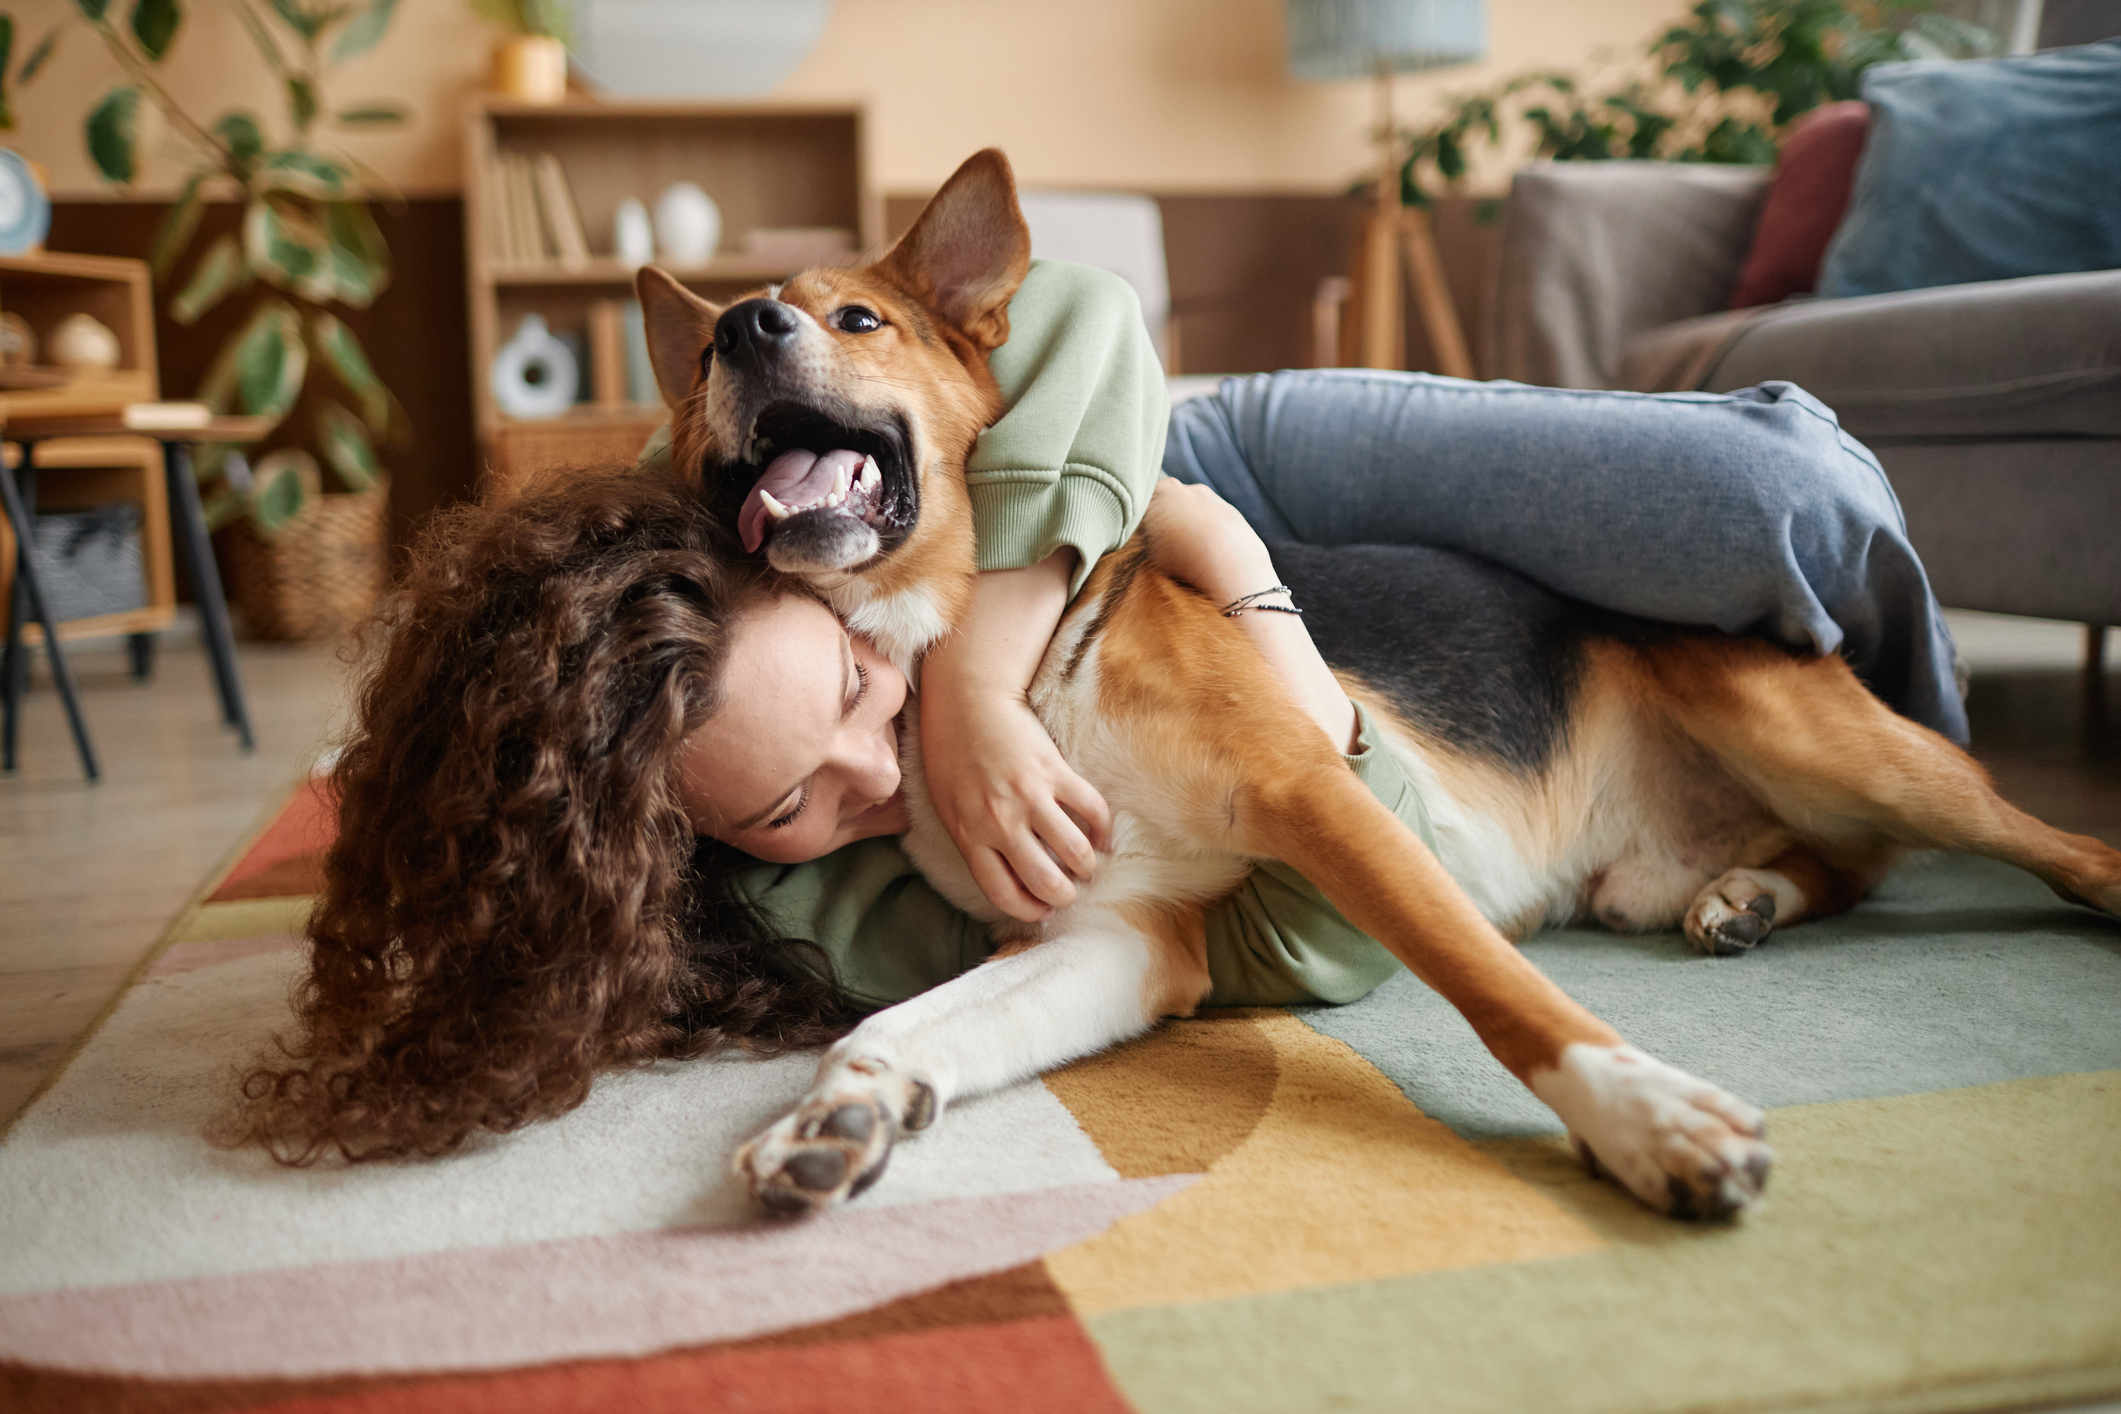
{"x": 831, "y": 490}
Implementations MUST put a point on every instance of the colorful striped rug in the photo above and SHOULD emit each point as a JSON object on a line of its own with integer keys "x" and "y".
{"x": 1348, "y": 1209}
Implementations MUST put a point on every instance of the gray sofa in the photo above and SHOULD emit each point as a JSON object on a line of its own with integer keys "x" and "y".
{"x": 1995, "y": 408}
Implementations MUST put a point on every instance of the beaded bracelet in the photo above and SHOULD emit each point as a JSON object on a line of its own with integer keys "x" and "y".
{"x": 1250, "y": 601}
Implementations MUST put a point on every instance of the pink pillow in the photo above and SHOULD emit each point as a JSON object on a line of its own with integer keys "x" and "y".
{"x": 1804, "y": 203}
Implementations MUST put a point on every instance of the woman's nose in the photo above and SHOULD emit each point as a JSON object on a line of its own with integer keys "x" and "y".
{"x": 876, "y": 767}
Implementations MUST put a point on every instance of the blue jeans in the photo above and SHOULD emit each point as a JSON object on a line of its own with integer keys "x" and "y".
{"x": 1750, "y": 511}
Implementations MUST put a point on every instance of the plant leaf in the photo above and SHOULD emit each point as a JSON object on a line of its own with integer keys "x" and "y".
{"x": 370, "y": 115}
{"x": 338, "y": 347}
{"x": 286, "y": 480}
{"x": 271, "y": 361}
{"x": 155, "y": 26}
{"x": 347, "y": 450}
{"x": 365, "y": 31}
{"x": 301, "y": 101}
{"x": 299, "y": 20}
{"x": 220, "y": 272}
{"x": 112, "y": 132}
{"x": 223, "y": 508}
{"x": 92, "y": 9}
{"x": 359, "y": 258}
{"x": 42, "y": 54}
{"x": 7, "y": 45}
{"x": 244, "y": 138}
{"x": 284, "y": 245}
{"x": 306, "y": 173}
{"x": 178, "y": 226}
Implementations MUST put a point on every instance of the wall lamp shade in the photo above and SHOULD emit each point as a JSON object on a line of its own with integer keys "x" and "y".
{"x": 1350, "y": 39}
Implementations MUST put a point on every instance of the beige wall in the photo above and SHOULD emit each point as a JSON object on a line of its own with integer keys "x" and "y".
{"x": 1173, "y": 95}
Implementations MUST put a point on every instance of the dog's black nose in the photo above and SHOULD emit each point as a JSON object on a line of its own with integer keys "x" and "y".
{"x": 753, "y": 330}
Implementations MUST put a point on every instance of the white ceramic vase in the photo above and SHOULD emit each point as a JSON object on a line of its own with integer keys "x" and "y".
{"x": 688, "y": 225}
{"x": 632, "y": 239}
{"x": 534, "y": 374}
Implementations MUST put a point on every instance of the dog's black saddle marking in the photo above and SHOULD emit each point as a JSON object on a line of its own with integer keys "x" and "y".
{"x": 1469, "y": 651}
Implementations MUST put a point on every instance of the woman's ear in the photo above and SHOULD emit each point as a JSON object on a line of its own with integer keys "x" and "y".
{"x": 968, "y": 251}
{"x": 680, "y": 328}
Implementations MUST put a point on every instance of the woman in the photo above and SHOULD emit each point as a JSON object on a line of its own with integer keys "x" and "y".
{"x": 574, "y": 711}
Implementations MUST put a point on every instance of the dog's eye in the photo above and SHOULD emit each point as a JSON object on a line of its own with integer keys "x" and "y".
{"x": 856, "y": 320}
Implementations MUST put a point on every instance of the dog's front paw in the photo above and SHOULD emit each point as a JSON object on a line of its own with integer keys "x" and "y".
{"x": 1681, "y": 1145}
{"x": 1734, "y": 914}
{"x": 832, "y": 1148}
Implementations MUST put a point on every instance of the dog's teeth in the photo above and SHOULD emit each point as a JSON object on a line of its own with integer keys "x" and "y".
{"x": 839, "y": 484}
{"x": 870, "y": 475}
{"x": 773, "y": 507}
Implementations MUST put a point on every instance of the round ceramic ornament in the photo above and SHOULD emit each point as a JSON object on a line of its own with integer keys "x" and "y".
{"x": 25, "y": 211}
{"x": 534, "y": 374}
{"x": 688, "y": 225}
{"x": 82, "y": 342}
{"x": 632, "y": 238}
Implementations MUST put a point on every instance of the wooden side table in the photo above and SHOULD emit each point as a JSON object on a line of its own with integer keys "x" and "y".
{"x": 188, "y": 530}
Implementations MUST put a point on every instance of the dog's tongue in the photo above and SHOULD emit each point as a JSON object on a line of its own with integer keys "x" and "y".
{"x": 796, "y": 479}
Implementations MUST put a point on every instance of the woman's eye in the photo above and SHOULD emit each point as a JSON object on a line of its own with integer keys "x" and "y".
{"x": 856, "y": 320}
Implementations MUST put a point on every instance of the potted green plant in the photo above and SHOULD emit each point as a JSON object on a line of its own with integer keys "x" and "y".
{"x": 1728, "y": 80}
{"x": 531, "y": 63}
{"x": 308, "y": 520}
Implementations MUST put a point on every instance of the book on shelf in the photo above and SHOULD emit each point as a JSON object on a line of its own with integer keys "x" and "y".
{"x": 607, "y": 353}
{"x": 167, "y": 417}
{"x": 562, "y": 220}
{"x": 640, "y": 372}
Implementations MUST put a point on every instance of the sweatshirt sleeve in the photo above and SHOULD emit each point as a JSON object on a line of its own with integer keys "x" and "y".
{"x": 1278, "y": 941}
{"x": 889, "y": 934}
{"x": 1073, "y": 459}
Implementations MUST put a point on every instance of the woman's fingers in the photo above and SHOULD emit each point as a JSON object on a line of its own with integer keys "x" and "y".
{"x": 991, "y": 871}
{"x": 1089, "y": 811}
{"x": 1065, "y": 840}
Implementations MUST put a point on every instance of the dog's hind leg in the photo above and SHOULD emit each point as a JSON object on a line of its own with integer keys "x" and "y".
{"x": 1854, "y": 778}
{"x": 1101, "y": 976}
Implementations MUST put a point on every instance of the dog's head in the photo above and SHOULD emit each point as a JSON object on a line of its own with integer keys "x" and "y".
{"x": 831, "y": 416}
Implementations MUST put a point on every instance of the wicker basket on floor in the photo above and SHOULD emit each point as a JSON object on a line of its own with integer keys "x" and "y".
{"x": 320, "y": 575}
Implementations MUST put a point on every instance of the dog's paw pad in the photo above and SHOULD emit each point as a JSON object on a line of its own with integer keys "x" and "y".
{"x": 829, "y": 1150}
{"x": 1733, "y": 915}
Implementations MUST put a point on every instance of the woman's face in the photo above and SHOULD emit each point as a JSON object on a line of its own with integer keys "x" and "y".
{"x": 802, "y": 755}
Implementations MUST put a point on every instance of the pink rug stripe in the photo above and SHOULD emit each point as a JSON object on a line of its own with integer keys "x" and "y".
{"x": 493, "y": 1307}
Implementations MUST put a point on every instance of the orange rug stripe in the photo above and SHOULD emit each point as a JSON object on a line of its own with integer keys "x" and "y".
{"x": 288, "y": 859}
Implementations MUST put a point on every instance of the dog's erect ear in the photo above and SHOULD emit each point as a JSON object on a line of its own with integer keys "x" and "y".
{"x": 968, "y": 251}
{"x": 680, "y": 329}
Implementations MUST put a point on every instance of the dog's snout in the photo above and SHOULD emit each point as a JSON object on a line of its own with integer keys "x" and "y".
{"x": 752, "y": 330}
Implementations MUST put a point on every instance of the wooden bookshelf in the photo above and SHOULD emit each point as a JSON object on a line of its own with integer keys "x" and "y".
{"x": 44, "y": 289}
{"x": 764, "y": 165}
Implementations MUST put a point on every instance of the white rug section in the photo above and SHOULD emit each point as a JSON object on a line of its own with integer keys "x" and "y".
{"x": 108, "y": 1180}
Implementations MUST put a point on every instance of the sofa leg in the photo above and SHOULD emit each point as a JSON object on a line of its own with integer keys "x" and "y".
{"x": 2094, "y": 650}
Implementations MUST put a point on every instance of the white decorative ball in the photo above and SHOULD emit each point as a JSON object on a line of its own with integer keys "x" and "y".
{"x": 81, "y": 342}
{"x": 631, "y": 237}
{"x": 688, "y": 225}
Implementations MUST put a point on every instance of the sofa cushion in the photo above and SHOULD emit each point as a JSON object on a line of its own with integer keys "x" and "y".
{"x": 2006, "y": 358}
{"x": 1984, "y": 170}
{"x": 1813, "y": 175}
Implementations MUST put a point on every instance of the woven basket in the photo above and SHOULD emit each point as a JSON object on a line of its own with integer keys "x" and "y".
{"x": 320, "y": 575}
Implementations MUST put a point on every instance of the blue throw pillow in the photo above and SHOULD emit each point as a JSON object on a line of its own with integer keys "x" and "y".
{"x": 1984, "y": 170}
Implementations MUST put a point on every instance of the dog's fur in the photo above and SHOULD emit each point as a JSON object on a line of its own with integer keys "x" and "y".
{"x": 1575, "y": 764}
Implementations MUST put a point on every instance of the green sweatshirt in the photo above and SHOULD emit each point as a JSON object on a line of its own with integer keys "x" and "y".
{"x": 1073, "y": 461}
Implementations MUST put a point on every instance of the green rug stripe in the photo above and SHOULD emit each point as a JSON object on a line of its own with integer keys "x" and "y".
{"x": 1954, "y": 1250}
{"x": 1958, "y": 972}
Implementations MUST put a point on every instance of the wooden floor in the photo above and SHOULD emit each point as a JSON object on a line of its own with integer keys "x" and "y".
{"x": 91, "y": 874}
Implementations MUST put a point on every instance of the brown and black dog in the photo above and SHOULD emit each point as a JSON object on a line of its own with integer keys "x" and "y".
{"x": 1575, "y": 764}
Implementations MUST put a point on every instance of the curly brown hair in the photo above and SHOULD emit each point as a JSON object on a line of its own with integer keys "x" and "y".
{"x": 515, "y": 901}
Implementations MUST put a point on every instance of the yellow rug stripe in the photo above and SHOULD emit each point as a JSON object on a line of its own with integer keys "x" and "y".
{"x": 1339, "y": 1180}
{"x": 242, "y": 918}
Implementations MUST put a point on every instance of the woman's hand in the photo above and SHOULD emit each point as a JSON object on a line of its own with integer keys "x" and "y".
{"x": 1028, "y": 826}
{"x": 1197, "y": 536}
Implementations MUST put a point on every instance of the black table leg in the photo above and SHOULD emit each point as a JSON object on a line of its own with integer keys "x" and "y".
{"x": 189, "y": 523}
{"x": 26, "y": 593}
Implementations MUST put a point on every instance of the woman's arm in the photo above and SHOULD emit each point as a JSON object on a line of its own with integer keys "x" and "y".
{"x": 1021, "y": 816}
{"x": 1198, "y": 537}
